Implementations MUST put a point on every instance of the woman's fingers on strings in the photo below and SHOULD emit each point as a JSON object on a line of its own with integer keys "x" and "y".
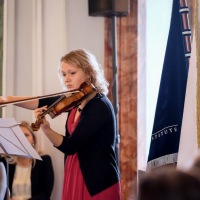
{"x": 39, "y": 111}
{"x": 44, "y": 108}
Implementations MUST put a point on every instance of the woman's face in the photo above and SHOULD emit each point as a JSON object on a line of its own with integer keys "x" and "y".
{"x": 28, "y": 134}
{"x": 72, "y": 76}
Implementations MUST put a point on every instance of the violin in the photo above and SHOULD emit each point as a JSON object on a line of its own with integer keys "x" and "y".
{"x": 65, "y": 104}
{"x": 67, "y": 101}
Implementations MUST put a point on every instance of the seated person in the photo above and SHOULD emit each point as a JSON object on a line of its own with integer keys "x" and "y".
{"x": 30, "y": 178}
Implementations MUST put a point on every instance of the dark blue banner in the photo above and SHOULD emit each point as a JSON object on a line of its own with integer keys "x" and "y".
{"x": 170, "y": 103}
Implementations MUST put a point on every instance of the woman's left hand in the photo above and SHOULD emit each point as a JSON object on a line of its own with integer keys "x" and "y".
{"x": 53, "y": 136}
{"x": 38, "y": 112}
{"x": 45, "y": 126}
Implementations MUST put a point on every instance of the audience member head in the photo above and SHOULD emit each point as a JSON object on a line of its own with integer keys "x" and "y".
{"x": 194, "y": 169}
{"x": 167, "y": 183}
{"x": 26, "y": 129}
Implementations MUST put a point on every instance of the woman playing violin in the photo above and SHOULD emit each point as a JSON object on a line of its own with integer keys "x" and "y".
{"x": 91, "y": 169}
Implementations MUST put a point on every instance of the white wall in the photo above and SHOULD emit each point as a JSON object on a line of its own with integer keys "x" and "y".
{"x": 158, "y": 21}
{"x": 36, "y": 34}
{"x": 158, "y": 15}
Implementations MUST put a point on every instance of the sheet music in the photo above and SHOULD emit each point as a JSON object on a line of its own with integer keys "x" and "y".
{"x": 13, "y": 141}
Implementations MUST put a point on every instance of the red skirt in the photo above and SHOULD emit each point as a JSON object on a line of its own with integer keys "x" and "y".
{"x": 74, "y": 187}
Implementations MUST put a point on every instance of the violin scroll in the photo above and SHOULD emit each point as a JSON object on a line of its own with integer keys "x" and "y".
{"x": 36, "y": 126}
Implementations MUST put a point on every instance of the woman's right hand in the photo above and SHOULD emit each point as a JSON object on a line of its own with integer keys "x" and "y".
{"x": 3, "y": 99}
{"x": 21, "y": 101}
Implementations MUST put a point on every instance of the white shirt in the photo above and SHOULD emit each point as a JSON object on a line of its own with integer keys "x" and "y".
{"x": 21, "y": 187}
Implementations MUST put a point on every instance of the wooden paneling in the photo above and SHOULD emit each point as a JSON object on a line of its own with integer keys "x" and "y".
{"x": 127, "y": 93}
{"x": 1, "y": 48}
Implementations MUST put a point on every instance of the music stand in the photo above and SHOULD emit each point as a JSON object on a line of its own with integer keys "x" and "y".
{"x": 14, "y": 142}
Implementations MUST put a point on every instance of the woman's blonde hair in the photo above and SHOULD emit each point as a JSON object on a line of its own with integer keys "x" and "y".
{"x": 87, "y": 61}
